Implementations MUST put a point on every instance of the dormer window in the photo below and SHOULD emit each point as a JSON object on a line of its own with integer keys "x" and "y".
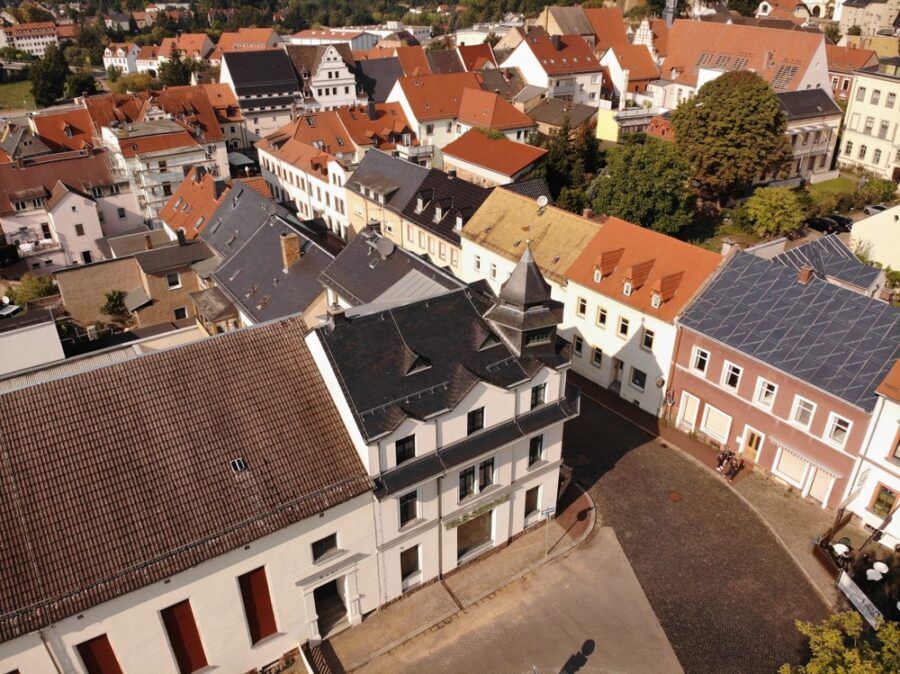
{"x": 459, "y": 222}
{"x": 69, "y": 132}
{"x": 420, "y": 204}
{"x": 598, "y": 275}
{"x": 438, "y": 213}
{"x": 655, "y": 300}
{"x": 626, "y": 289}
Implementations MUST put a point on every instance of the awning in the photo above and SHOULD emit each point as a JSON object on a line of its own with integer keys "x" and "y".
{"x": 238, "y": 159}
{"x": 808, "y": 458}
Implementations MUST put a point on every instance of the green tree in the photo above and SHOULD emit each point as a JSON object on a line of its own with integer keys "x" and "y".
{"x": 32, "y": 288}
{"x": 492, "y": 39}
{"x": 48, "y": 77}
{"x": 176, "y": 71}
{"x": 876, "y": 190}
{"x": 837, "y": 646}
{"x": 80, "y": 84}
{"x": 833, "y": 32}
{"x": 774, "y": 211}
{"x": 133, "y": 82}
{"x": 113, "y": 73}
{"x": 730, "y": 132}
{"x": 115, "y": 307}
{"x": 854, "y": 30}
{"x": 646, "y": 184}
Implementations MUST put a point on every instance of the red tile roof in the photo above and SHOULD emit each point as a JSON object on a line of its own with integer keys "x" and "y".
{"x": 374, "y": 53}
{"x": 848, "y": 59}
{"x": 245, "y": 39}
{"x": 653, "y": 262}
{"x": 324, "y": 126}
{"x": 132, "y": 147}
{"x": 148, "y": 53}
{"x": 660, "y": 36}
{"x": 637, "y": 60}
{"x": 38, "y": 27}
{"x": 224, "y": 102}
{"x": 561, "y": 54}
{"x": 189, "y": 44}
{"x": 365, "y": 132}
{"x": 487, "y": 109}
{"x": 191, "y": 108}
{"x": 609, "y": 26}
{"x": 191, "y": 205}
{"x": 476, "y": 56}
{"x": 502, "y": 156}
{"x": 298, "y": 154}
{"x": 694, "y": 44}
{"x": 413, "y": 61}
{"x": 259, "y": 185}
{"x": 67, "y": 129}
{"x": 437, "y": 96}
{"x": 661, "y": 127}
{"x": 890, "y": 385}
{"x": 108, "y": 108}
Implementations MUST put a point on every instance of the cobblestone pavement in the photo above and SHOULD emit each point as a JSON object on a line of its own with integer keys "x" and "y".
{"x": 723, "y": 588}
{"x": 584, "y": 612}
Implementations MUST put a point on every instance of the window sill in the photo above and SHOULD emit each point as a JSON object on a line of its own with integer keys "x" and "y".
{"x": 475, "y": 552}
{"x": 328, "y": 557}
{"x": 412, "y": 524}
{"x": 265, "y": 641}
{"x": 540, "y": 463}
{"x": 411, "y": 581}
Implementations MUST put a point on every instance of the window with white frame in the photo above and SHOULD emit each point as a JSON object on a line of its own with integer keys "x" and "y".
{"x": 477, "y": 263}
{"x": 716, "y": 424}
{"x": 622, "y": 330}
{"x": 647, "y": 339}
{"x": 700, "y": 360}
{"x": 597, "y": 356}
{"x": 837, "y": 430}
{"x": 577, "y": 345}
{"x": 765, "y": 393}
{"x": 580, "y": 307}
{"x": 731, "y": 375}
{"x": 638, "y": 379}
{"x": 601, "y": 317}
{"x": 626, "y": 288}
{"x": 803, "y": 411}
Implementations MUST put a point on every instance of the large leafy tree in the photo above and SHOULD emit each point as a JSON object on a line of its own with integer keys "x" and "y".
{"x": 176, "y": 71}
{"x": 646, "y": 184}
{"x": 837, "y": 644}
{"x": 80, "y": 84}
{"x": 48, "y": 77}
{"x": 732, "y": 131}
{"x": 774, "y": 211}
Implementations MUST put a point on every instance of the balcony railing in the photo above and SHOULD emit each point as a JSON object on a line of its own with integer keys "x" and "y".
{"x": 41, "y": 247}
{"x": 415, "y": 150}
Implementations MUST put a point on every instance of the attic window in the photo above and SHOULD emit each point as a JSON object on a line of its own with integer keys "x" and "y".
{"x": 556, "y": 259}
{"x": 340, "y": 141}
{"x": 627, "y": 288}
{"x": 459, "y": 222}
{"x": 420, "y": 204}
{"x": 516, "y": 243}
{"x": 238, "y": 465}
{"x": 438, "y": 213}
{"x": 489, "y": 341}
{"x": 311, "y": 122}
{"x": 216, "y": 226}
{"x": 655, "y": 300}
{"x": 198, "y": 223}
{"x": 419, "y": 365}
{"x": 178, "y": 202}
{"x": 69, "y": 132}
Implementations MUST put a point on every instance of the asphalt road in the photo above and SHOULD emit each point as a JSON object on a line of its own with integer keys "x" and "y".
{"x": 723, "y": 588}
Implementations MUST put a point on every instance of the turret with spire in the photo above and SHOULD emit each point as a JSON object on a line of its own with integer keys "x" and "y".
{"x": 524, "y": 314}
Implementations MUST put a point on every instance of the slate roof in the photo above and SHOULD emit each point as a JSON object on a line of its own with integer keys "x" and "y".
{"x": 506, "y": 82}
{"x": 531, "y": 188}
{"x": 168, "y": 258}
{"x": 378, "y": 76}
{"x": 571, "y": 20}
{"x": 445, "y": 61}
{"x": 834, "y": 339}
{"x": 454, "y": 196}
{"x": 406, "y": 176}
{"x": 172, "y": 500}
{"x": 828, "y": 256}
{"x": 807, "y": 103}
{"x": 360, "y": 274}
{"x": 261, "y": 72}
{"x": 418, "y": 360}
{"x": 554, "y": 111}
{"x": 254, "y": 278}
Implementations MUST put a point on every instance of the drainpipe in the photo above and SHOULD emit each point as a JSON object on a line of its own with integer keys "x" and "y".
{"x": 379, "y": 557}
{"x": 668, "y": 383}
{"x": 56, "y": 663}
{"x": 440, "y": 482}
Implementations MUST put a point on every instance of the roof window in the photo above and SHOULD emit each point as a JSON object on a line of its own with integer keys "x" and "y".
{"x": 238, "y": 465}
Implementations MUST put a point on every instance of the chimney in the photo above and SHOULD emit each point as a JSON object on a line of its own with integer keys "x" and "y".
{"x": 805, "y": 274}
{"x": 587, "y": 213}
{"x": 370, "y": 110}
{"x": 556, "y": 40}
{"x": 727, "y": 245}
{"x": 290, "y": 249}
{"x": 180, "y": 234}
{"x": 669, "y": 12}
{"x": 335, "y": 316}
{"x": 148, "y": 242}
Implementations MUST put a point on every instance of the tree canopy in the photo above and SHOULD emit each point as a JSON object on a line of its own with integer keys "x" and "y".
{"x": 732, "y": 131}
{"x": 176, "y": 71}
{"x": 646, "y": 184}
{"x": 774, "y": 211}
{"x": 32, "y": 287}
{"x": 48, "y": 77}
{"x": 837, "y": 645}
{"x": 80, "y": 84}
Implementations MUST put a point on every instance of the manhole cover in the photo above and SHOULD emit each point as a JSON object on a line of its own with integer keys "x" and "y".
{"x": 674, "y": 496}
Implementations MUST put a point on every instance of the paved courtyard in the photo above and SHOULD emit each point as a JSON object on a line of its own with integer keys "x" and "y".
{"x": 583, "y": 612}
{"x": 724, "y": 590}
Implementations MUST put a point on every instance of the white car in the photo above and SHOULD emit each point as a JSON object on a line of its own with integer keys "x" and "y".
{"x": 874, "y": 209}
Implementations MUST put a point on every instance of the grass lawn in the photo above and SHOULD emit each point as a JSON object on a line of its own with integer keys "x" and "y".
{"x": 838, "y": 186}
{"x": 16, "y": 96}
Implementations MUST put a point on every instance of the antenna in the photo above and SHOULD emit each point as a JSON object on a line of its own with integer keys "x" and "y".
{"x": 542, "y": 202}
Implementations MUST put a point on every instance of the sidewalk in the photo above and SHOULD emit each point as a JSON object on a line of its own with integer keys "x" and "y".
{"x": 434, "y": 604}
{"x": 795, "y": 521}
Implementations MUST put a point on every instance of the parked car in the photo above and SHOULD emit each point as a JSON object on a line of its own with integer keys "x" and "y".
{"x": 876, "y": 208}
{"x": 842, "y": 220}
{"x": 830, "y": 225}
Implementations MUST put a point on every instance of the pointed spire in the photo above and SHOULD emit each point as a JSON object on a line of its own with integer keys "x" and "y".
{"x": 526, "y": 286}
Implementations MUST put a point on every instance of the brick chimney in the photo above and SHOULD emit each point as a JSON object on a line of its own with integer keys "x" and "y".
{"x": 290, "y": 249}
{"x": 805, "y": 274}
{"x": 179, "y": 233}
{"x": 148, "y": 242}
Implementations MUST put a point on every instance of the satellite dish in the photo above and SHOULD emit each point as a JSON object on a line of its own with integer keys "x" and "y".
{"x": 385, "y": 247}
{"x": 542, "y": 201}
{"x": 4, "y": 299}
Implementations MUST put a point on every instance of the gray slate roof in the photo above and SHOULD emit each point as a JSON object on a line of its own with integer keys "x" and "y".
{"x": 807, "y": 103}
{"x": 377, "y": 164}
{"x": 455, "y": 197}
{"x": 170, "y": 258}
{"x": 828, "y": 256}
{"x": 261, "y": 72}
{"x": 360, "y": 274}
{"x": 378, "y": 76}
{"x": 832, "y": 338}
{"x": 445, "y": 61}
{"x": 554, "y": 111}
{"x": 533, "y": 187}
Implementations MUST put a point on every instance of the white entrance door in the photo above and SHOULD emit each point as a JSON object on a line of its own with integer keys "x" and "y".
{"x": 687, "y": 411}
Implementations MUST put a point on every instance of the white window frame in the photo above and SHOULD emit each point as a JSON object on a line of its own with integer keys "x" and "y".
{"x": 705, "y": 416}
{"x": 577, "y": 345}
{"x": 178, "y": 284}
{"x": 684, "y": 396}
{"x": 832, "y": 419}
{"x": 619, "y": 328}
{"x": 579, "y": 303}
{"x": 602, "y": 311}
{"x": 696, "y": 352}
{"x": 725, "y": 372}
{"x": 627, "y": 288}
{"x": 760, "y": 383}
{"x": 787, "y": 478}
{"x": 795, "y": 406}
{"x": 631, "y": 379}
{"x": 645, "y": 332}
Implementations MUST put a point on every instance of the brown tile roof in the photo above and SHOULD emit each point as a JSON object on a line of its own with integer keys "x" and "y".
{"x": 149, "y": 52}
{"x": 189, "y": 44}
{"x": 172, "y": 500}
{"x": 38, "y": 27}
{"x": 259, "y": 185}
{"x": 660, "y": 36}
{"x": 124, "y": 46}
{"x": 503, "y": 156}
{"x": 132, "y": 147}
{"x": 37, "y": 176}
{"x": 297, "y": 153}
{"x": 191, "y": 205}
{"x": 476, "y": 56}
{"x": 692, "y": 44}
{"x": 437, "y": 96}
{"x": 66, "y": 129}
{"x": 108, "y": 108}
{"x": 413, "y": 61}
{"x": 389, "y": 119}
{"x": 637, "y": 60}
{"x": 487, "y": 109}
{"x": 324, "y": 126}
{"x": 374, "y": 53}
{"x": 506, "y": 221}
{"x": 890, "y": 385}
{"x": 245, "y": 39}
{"x": 609, "y": 26}
{"x": 652, "y": 261}
{"x": 224, "y": 102}
{"x": 190, "y": 107}
{"x": 68, "y": 31}
{"x": 848, "y": 59}
{"x": 561, "y": 54}
{"x": 661, "y": 127}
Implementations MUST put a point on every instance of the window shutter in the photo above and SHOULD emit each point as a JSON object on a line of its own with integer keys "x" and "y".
{"x": 98, "y": 656}
{"x": 257, "y": 604}
{"x": 184, "y": 637}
